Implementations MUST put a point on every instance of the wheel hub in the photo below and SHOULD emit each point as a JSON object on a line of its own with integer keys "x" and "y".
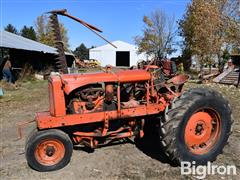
{"x": 201, "y": 132}
{"x": 49, "y": 152}
{"x": 199, "y": 129}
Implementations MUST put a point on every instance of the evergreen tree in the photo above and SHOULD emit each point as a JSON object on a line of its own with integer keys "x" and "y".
{"x": 10, "y": 28}
{"x": 29, "y": 32}
{"x": 81, "y": 52}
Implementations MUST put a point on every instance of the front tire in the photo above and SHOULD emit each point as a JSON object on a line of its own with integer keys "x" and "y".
{"x": 48, "y": 150}
{"x": 196, "y": 126}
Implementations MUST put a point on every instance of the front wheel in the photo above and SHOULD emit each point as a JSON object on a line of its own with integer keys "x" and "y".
{"x": 48, "y": 150}
{"x": 196, "y": 126}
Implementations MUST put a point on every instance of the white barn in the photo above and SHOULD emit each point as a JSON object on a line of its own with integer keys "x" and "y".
{"x": 124, "y": 55}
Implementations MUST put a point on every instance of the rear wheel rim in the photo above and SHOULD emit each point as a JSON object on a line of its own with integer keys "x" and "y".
{"x": 49, "y": 152}
{"x": 202, "y": 131}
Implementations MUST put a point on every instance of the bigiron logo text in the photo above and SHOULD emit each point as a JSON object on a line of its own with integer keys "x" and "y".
{"x": 200, "y": 172}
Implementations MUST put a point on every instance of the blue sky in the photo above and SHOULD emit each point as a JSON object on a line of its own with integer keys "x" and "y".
{"x": 119, "y": 19}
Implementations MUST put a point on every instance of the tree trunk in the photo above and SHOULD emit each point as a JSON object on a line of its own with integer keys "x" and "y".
{"x": 220, "y": 63}
{"x": 201, "y": 61}
{"x": 210, "y": 68}
{"x": 238, "y": 78}
{"x": 201, "y": 71}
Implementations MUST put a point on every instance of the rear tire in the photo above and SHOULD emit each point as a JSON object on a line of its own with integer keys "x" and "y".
{"x": 48, "y": 150}
{"x": 196, "y": 126}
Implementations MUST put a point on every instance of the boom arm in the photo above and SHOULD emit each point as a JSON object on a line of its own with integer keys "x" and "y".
{"x": 61, "y": 61}
{"x": 92, "y": 28}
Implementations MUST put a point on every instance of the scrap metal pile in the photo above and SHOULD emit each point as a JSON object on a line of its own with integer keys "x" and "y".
{"x": 91, "y": 63}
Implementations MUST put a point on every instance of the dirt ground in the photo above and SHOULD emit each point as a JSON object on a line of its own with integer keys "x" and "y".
{"x": 122, "y": 161}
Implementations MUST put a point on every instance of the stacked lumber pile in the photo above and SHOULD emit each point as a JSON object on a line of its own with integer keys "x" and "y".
{"x": 229, "y": 77}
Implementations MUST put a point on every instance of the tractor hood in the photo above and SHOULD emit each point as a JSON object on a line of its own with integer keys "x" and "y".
{"x": 73, "y": 81}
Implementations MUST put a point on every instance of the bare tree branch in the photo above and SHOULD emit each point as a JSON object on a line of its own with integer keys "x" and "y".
{"x": 158, "y": 35}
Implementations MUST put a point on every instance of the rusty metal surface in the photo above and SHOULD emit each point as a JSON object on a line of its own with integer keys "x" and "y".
{"x": 61, "y": 61}
{"x": 73, "y": 81}
{"x": 99, "y": 108}
{"x": 21, "y": 125}
{"x": 179, "y": 79}
{"x": 63, "y": 12}
{"x": 92, "y": 28}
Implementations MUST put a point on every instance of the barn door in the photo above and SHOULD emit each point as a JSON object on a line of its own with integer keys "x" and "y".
{"x": 123, "y": 58}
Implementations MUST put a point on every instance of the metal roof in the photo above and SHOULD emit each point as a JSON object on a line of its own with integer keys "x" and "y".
{"x": 10, "y": 40}
{"x": 121, "y": 46}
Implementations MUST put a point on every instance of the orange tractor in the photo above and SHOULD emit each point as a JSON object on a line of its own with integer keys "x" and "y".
{"x": 96, "y": 109}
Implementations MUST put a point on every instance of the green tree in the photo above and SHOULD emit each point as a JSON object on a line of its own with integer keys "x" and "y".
{"x": 157, "y": 38}
{"x": 10, "y": 28}
{"x": 81, "y": 52}
{"x": 186, "y": 59}
{"x": 29, "y": 32}
{"x": 226, "y": 54}
{"x": 45, "y": 33}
